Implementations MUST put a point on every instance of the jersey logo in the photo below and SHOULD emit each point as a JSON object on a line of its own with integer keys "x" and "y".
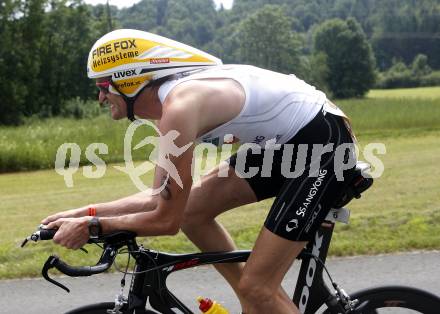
{"x": 312, "y": 193}
{"x": 312, "y": 220}
{"x": 292, "y": 224}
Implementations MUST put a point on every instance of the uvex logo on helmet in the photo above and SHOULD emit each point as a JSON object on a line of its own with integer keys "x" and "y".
{"x": 122, "y": 74}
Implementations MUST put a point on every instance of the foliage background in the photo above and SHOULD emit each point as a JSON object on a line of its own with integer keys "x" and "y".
{"x": 44, "y": 44}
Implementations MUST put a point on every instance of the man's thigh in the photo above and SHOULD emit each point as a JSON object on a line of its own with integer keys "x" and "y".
{"x": 215, "y": 194}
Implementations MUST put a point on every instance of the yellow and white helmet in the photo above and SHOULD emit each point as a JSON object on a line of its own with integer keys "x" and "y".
{"x": 134, "y": 58}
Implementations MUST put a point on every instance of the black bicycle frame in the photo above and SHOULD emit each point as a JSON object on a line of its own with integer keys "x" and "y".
{"x": 311, "y": 292}
{"x": 153, "y": 268}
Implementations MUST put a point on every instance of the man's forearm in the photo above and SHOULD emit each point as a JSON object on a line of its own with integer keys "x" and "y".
{"x": 143, "y": 224}
{"x": 140, "y": 202}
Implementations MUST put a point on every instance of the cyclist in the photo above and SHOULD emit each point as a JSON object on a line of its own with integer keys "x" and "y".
{"x": 193, "y": 93}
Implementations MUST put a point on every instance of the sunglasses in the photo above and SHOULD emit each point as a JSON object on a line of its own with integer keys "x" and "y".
{"x": 107, "y": 87}
{"x": 104, "y": 86}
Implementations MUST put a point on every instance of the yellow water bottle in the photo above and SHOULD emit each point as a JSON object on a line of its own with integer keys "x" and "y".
{"x": 207, "y": 306}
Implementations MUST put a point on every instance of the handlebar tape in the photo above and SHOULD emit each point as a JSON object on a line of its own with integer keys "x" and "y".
{"x": 47, "y": 234}
{"x": 82, "y": 271}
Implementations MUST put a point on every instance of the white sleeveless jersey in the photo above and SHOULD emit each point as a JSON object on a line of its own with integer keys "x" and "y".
{"x": 277, "y": 106}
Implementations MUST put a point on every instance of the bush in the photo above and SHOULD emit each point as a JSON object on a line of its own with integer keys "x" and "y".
{"x": 79, "y": 109}
{"x": 420, "y": 65}
{"x": 432, "y": 79}
{"x": 398, "y": 80}
{"x": 407, "y": 79}
{"x": 419, "y": 74}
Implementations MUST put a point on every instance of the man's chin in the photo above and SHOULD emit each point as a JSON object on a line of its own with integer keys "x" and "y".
{"x": 117, "y": 116}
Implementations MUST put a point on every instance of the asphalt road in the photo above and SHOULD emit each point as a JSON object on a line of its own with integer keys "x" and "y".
{"x": 36, "y": 296}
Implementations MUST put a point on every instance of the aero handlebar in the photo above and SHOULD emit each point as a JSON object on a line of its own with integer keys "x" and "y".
{"x": 54, "y": 261}
{"x": 112, "y": 243}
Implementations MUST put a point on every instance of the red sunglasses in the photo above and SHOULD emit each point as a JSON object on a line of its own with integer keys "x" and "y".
{"x": 104, "y": 86}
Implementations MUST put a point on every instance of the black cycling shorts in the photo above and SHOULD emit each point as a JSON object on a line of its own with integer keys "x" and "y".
{"x": 303, "y": 199}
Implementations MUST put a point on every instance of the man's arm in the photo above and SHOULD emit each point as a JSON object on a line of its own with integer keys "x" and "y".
{"x": 136, "y": 203}
{"x": 139, "y": 202}
{"x": 178, "y": 117}
{"x": 165, "y": 219}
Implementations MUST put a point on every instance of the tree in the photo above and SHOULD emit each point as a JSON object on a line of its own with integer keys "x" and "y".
{"x": 42, "y": 57}
{"x": 266, "y": 39}
{"x": 405, "y": 28}
{"x": 420, "y": 65}
{"x": 350, "y": 58}
{"x": 318, "y": 72}
{"x": 63, "y": 55}
{"x": 12, "y": 65}
{"x": 144, "y": 15}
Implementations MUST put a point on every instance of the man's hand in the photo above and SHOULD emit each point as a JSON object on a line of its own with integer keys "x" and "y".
{"x": 73, "y": 213}
{"x": 72, "y": 233}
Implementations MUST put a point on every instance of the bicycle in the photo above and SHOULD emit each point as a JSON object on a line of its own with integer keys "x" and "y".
{"x": 148, "y": 291}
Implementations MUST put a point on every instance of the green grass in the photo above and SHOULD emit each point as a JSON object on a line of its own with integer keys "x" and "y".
{"x": 420, "y": 93}
{"x": 381, "y": 115}
{"x": 401, "y": 211}
{"x": 34, "y": 145}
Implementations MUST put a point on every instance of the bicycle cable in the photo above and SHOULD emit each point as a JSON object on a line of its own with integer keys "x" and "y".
{"x": 319, "y": 260}
{"x": 155, "y": 268}
{"x": 125, "y": 273}
{"x": 123, "y": 251}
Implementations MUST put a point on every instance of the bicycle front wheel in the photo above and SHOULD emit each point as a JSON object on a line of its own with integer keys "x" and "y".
{"x": 396, "y": 299}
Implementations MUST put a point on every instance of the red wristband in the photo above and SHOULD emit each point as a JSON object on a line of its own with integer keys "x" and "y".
{"x": 92, "y": 211}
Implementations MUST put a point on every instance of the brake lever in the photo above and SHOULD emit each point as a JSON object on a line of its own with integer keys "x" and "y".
{"x": 50, "y": 263}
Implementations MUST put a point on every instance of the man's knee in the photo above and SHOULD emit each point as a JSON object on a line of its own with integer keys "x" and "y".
{"x": 254, "y": 292}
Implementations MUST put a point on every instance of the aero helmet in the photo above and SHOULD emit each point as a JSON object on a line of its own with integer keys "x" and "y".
{"x": 135, "y": 58}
